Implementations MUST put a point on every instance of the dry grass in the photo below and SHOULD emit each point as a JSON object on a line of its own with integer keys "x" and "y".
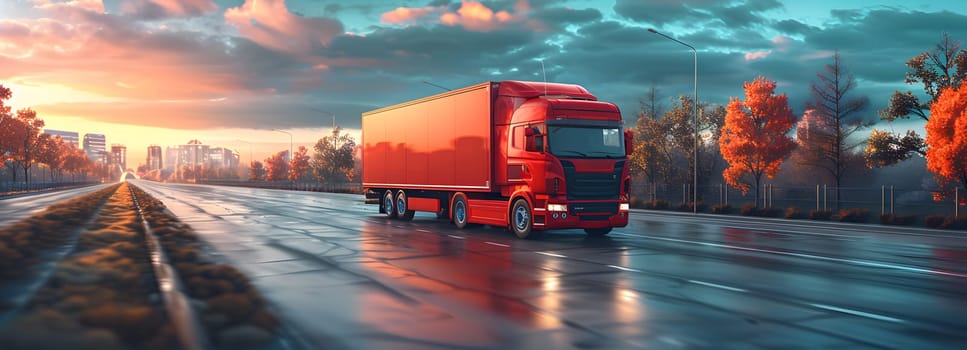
{"x": 104, "y": 295}
{"x": 21, "y": 243}
{"x": 106, "y": 285}
{"x": 235, "y": 315}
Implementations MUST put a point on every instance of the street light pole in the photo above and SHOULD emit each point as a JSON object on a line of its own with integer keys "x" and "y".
{"x": 290, "y": 141}
{"x": 694, "y": 119}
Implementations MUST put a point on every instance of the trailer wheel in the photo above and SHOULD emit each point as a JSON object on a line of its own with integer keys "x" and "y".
{"x": 402, "y": 206}
{"x": 388, "y": 205}
{"x": 460, "y": 212}
{"x": 521, "y": 219}
{"x": 596, "y": 232}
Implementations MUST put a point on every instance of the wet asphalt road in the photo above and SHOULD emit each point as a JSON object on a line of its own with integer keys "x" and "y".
{"x": 17, "y": 207}
{"x": 344, "y": 277}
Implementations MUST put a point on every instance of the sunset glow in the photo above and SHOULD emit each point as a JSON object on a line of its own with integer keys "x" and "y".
{"x": 164, "y": 72}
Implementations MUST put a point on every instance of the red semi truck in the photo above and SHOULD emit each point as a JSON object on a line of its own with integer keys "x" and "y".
{"x": 523, "y": 155}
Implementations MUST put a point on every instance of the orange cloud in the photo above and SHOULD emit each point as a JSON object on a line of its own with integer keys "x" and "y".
{"x": 77, "y": 48}
{"x": 472, "y": 15}
{"x": 96, "y": 6}
{"x": 477, "y": 17}
{"x": 752, "y": 56}
{"x": 782, "y": 43}
{"x": 270, "y": 24}
{"x": 162, "y": 8}
{"x": 407, "y": 14}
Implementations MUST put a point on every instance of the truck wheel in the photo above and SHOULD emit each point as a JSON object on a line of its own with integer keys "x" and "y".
{"x": 521, "y": 219}
{"x": 460, "y": 212}
{"x": 595, "y": 232}
{"x": 402, "y": 207}
{"x": 388, "y": 205}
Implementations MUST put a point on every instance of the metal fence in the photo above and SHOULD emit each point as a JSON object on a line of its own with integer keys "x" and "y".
{"x": 11, "y": 187}
{"x": 901, "y": 200}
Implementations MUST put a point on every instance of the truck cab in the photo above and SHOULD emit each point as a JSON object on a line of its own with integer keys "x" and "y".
{"x": 578, "y": 150}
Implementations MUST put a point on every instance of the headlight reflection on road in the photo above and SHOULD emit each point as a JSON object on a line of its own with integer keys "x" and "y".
{"x": 550, "y": 301}
{"x": 628, "y": 303}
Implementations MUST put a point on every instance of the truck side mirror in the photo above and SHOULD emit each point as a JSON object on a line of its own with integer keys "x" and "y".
{"x": 629, "y": 144}
{"x": 534, "y": 140}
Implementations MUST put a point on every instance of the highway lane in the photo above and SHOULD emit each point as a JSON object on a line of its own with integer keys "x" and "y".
{"x": 19, "y": 207}
{"x": 343, "y": 276}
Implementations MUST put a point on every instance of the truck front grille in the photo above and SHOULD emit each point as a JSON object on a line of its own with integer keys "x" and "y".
{"x": 592, "y": 185}
{"x": 579, "y": 208}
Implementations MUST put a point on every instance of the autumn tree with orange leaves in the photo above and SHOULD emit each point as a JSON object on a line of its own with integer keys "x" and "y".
{"x": 299, "y": 165}
{"x": 754, "y": 139}
{"x": 947, "y": 137}
{"x": 278, "y": 168}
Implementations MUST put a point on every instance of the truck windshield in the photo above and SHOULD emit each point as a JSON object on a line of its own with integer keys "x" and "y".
{"x": 585, "y": 142}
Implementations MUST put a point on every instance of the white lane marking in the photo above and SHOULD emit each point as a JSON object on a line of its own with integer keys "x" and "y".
{"x": 817, "y": 257}
{"x": 719, "y": 286}
{"x": 497, "y": 244}
{"x": 858, "y": 313}
{"x": 457, "y": 237}
{"x": 422, "y": 230}
{"x": 622, "y": 268}
{"x": 552, "y": 254}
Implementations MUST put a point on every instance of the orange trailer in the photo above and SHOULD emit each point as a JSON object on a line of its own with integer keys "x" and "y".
{"x": 522, "y": 155}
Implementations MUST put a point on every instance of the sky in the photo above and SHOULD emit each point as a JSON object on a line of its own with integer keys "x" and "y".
{"x": 228, "y": 72}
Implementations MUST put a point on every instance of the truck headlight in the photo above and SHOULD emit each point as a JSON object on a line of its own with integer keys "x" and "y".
{"x": 624, "y": 207}
{"x": 557, "y": 207}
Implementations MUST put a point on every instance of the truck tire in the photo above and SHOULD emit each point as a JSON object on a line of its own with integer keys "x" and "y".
{"x": 596, "y": 232}
{"x": 389, "y": 206}
{"x": 403, "y": 211}
{"x": 460, "y": 211}
{"x": 521, "y": 219}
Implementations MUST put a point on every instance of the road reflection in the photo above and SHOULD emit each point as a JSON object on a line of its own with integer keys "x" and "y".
{"x": 491, "y": 282}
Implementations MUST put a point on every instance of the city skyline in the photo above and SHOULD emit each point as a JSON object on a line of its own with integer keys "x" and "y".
{"x": 230, "y": 71}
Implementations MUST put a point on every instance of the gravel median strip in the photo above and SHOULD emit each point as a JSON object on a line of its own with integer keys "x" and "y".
{"x": 105, "y": 294}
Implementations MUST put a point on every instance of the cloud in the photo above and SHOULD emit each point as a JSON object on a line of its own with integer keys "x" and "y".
{"x": 96, "y": 6}
{"x": 752, "y": 56}
{"x": 270, "y": 24}
{"x": 692, "y": 13}
{"x": 199, "y": 114}
{"x": 158, "y": 9}
{"x": 402, "y": 15}
{"x": 471, "y": 15}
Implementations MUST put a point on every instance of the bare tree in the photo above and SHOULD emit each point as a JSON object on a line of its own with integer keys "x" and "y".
{"x": 832, "y": 118}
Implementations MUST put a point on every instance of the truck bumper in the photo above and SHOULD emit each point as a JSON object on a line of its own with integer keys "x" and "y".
{"x": 550, "y": 220}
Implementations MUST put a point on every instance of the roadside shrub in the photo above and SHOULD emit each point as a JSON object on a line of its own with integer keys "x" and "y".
{"x": 820, "y": 214}
{"x": 955, "y": 223}
{"x": 749, "y": 210}
{"x": 752, "y": 210}
{"x": 934, "y": 221}
{"x": 656, "y": 205}
{"x": 636, "y": 202}
{"x": 794, "y": 213}
{"x": 854, "y": 215}
{"x": 898, "y": 220}
{"x": 773, "y": 212}
{"x": 722, "y": 209}
{"x": 687, "y": 207}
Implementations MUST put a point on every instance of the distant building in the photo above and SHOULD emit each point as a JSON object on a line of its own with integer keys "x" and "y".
{"x": 119, "y": 156}
{"x": 70, "y": 137}
{"x": 95, "y": 147}
{"x": 171, "y": 158}
{"x": 222, "y": 158}
{"x": 154, "y": 158}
